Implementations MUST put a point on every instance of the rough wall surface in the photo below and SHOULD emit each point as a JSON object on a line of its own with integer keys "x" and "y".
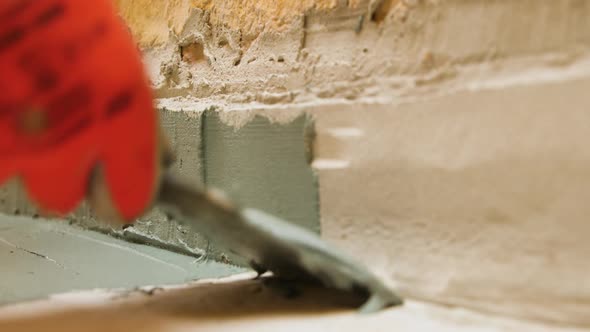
{"x": 352, "y": 52}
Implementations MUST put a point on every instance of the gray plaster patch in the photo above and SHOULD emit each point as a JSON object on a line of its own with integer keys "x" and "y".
{"x": 263, "y": 165}
{"x": 183, "y": 129}
{"x": 13, "y": 199}
{"x": 42, "y": 257}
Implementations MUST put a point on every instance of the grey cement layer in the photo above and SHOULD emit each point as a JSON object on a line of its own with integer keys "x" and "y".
{"x": 183, "y": 130}
{"x": 13, "y": 199}
{"x": 264, "y": 165}
{"x": 42, "y": 257}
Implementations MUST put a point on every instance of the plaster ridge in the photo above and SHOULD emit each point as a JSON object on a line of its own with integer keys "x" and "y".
{"x": 548, "y": 68}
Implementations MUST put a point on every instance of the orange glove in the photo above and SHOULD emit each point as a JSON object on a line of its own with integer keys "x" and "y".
{"x": 74, "y": 96}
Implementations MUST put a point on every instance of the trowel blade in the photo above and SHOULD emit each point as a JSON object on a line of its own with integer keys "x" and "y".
{"x": 266, "y": 242}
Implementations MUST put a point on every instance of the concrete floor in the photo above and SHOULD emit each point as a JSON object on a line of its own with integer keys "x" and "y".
{"x": 241, "y": 304}
{"x": 41, "y": 257}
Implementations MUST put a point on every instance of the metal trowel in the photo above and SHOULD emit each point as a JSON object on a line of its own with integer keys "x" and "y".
{"x": 269, "y": 243}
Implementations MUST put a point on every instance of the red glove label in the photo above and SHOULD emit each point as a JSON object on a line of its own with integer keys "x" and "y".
{"x": 73, "y": 94}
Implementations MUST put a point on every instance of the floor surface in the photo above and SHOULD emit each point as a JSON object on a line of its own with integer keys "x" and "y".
{"x": 41, "y": 257}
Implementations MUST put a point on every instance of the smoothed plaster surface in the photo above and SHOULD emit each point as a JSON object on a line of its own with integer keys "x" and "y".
{"x": 477, "y": 198}
{"x": 41, "y": 257}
